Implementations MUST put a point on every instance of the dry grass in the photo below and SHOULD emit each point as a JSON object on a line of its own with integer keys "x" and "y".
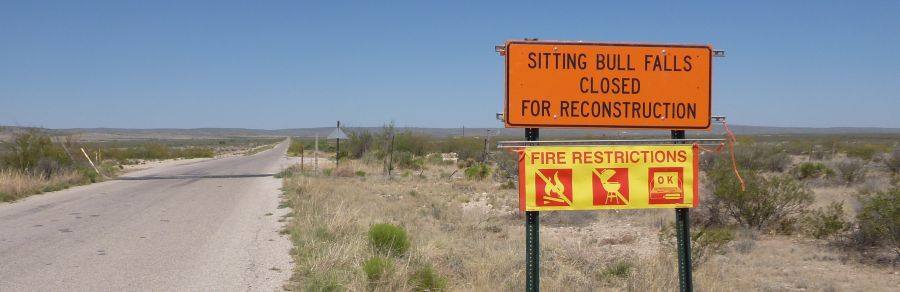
{"x": 471, "y": 233}
{"x": 15, "y": 185}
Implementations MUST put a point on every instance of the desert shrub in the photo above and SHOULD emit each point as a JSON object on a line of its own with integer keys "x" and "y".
{"x": 861, "y": 151}
{"x": 465, "y": 163}
{"x": 711, "y": 212}
{"x": 465, "y": 147}
{"x": 359, "y": 143}
{"x": 289, "y": 171}
{"x": 88, "y": 174}
{"x": 377, "y": 267}
{"x": 296, "y": 148}
{"x": 705, "y": 242}
{"x": 434, "y": 158}
{"x": 426, "y": 279}
{"x": 788, "y": 225}
{"x": 827, "y": 221}
{"x": 156, "y": 151}
{"x": 324, "y": 282}
{"x": 892, "y": 162}
{"x": 617, "y": 269}
{"x": 360, "y": 173}
{"x": 759, "y": 157}
{"x": 344, "y": 172}
{"x": 808, "y": 170}
{"x": 417, "y": 144}
{"x": 765, "y": 200}
{"x": 406, "y": 160}
{"x": 28, "y": 149}
{"x": 851, "y": 170}
{"x": 388, "y": 239}
{"x": 879, "y": 219}
{"x": 506, "y": 164}
{"x": 776, "y": 162}
{"x": 478, "y": 171}
{"x": 197, "y": 153}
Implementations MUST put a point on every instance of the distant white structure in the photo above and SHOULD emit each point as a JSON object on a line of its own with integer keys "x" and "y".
{"x": 452, "y": 156}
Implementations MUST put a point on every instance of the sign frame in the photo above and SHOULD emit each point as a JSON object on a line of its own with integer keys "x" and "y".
{"x": 511, "y": 45}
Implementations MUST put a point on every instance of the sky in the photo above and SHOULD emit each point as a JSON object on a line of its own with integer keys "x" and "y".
{"x": 297, "y": 64}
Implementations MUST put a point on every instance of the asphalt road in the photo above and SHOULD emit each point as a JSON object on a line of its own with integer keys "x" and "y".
{"x": 203, "y": 226}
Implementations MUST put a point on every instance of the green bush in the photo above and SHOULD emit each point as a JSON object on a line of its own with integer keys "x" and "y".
{"x": 157, "y": 151}
{"x": 478, "y": 171}
{"x": 88, "y": 174}
{"x": 707, "y": 242}
{"x": 618, "y": 269}
{"x": 324, "y": 282}
{"x": 377, "y": 267}
{"x": 765, "y": 200}
{"x": 827, "y": 221}
{"x": 388, "y": 239}
{"x": 426, "y": 279}
{"x": 27, "y": 151}
{"x": 406, "y": 160}
{"x": 861, "y": 151}
{"x": 416, "y": 144}
{"x": 296, "y": 148}
{"x": 808, "y": 170}
{"x": 465, "y": 147}
{"x": 435, "y": 159}
{"x": 359, "y": 143}
{"x": 879, "y": 219}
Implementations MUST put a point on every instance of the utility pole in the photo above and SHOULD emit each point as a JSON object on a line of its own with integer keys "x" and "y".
{"x": 316, "y": 168}
{"x": 337, "y": 152}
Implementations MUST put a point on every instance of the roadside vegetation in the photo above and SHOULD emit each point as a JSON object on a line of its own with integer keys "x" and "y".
{"x": 33, "y": 162}
{"x": 810, "y": 218}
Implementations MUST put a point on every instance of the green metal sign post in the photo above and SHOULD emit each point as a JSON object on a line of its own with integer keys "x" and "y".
{"x": 683, "y": 235}
{"x": 532, "y": 236}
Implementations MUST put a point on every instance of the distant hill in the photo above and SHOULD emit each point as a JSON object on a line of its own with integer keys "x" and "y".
{"x": 208, "y": 133}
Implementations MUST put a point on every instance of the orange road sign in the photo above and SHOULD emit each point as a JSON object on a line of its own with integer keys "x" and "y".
{"x": 608, "y": 85}
{"x": 608, "y": 177}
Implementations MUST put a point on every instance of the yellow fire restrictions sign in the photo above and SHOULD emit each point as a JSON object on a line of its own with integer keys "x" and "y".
{"x": 608, "y": 177}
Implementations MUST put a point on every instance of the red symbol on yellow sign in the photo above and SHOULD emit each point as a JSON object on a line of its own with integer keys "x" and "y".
{"x": 666, "y": 185}
{"x": 610, "y": 186}
{"x": 553, "y": 187}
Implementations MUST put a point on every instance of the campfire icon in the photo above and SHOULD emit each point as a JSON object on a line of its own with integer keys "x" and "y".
{"x": 554, "y": 188}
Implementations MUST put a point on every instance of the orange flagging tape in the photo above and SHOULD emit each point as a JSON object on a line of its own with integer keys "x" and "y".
{"x": 716, "y": 151}
{"x": 731, "y": 140}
